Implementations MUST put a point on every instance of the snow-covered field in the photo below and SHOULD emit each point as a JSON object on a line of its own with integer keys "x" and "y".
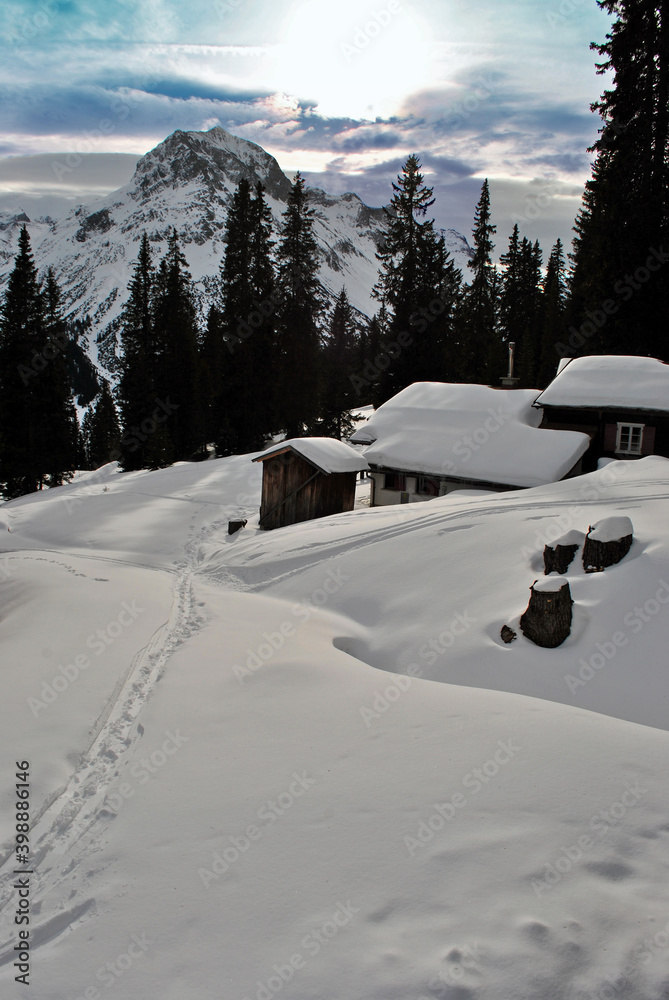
{"x": 304, "y": 764}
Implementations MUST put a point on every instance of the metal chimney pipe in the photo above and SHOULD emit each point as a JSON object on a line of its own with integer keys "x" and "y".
{"x": 512, "y": 348}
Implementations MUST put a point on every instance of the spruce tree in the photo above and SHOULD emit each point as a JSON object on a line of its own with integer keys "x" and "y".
{"x": 339, "y": 359}
{"x": 301, "y": 301}
{"x": 38, "y": 437}
{"x": 481, "y": 345}
{"x": 528, "y": 332}
{"x": 618, "y": 302}
{"x": 104, "y": 430}
{"x": 418, "y": 284}
{"x": 58, "y": 414}
{"x": 144, "y": 442}
{"x": 246, "y": 402}
{"x": 554, "y": 294}
{"x": 176, "y": 339}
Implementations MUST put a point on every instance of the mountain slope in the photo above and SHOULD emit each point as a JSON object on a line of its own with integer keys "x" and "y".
{"x": 187, "y": 182}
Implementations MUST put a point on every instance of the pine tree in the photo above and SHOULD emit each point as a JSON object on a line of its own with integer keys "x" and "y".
{"x": 618, "y": 302}
{"x": 38, "y": 443}
{"x": 144, "y": 442}
{"x": 481, "y": 337}
{"x": 104, "y": 430}
{"x": 57, "y": 412}
{"x": 528, "y": 333}
{"x": 554, "y": 294}
{"x": 339, "y": 358}
{"x": 301, "y": 301}
{"x": 246, "y": 402}
{"x": 176, "y": 339}
{"x": 419, "y": 286}
{"x": 214, "y": 385}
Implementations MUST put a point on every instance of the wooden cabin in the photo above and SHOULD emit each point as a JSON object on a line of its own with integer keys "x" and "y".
{"x": 306, "y": 478}
{"x": 434, "y": 438}
{"x": 621, "y": 402}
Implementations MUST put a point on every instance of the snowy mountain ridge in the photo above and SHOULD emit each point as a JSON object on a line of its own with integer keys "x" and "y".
{"x": 186, "y": 182}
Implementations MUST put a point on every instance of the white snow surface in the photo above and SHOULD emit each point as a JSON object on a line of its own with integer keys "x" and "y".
{"x": 615, "y": 381}
{"x": 573, "y": 537}
{"x": 327, "y": 454}
{"x": 611, "y": 529}
{"x": 469, "y": 431}
{"x": 549, "y": 584}
{"x": 303, "y": 763}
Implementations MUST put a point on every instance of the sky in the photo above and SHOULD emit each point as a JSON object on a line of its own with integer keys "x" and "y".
{"x": 342, "y": 91}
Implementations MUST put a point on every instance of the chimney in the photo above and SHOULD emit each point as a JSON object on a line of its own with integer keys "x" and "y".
{"x": 509, "y": 381}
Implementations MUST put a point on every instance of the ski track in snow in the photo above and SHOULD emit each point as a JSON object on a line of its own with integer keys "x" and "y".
{"x": 63, "y": 823}
{"x": 72, "y": 819}
{"x": 240, "y": 577}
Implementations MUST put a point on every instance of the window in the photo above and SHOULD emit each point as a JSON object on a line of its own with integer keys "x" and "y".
{"x": 428, "y": 486}
{"x": 629, "y": 438}
{"x": 394, "y": 481}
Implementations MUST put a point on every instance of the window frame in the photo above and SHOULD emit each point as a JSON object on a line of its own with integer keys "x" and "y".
{"x": 420, "y": 483}
{"x": 628, "y": 430}
{"x": 399, "y": 477}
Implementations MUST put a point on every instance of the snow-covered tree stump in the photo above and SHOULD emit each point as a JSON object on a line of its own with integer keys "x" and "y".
{"x": 547, "y": 621}
{"x": 559, "y": 556}
{"x": 606, "y": 543}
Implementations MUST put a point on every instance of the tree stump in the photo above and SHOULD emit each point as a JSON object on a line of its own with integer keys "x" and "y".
{"x": 559, "y": 556}
{"x": 234, "y": 526}
{"x": 547, "y": 621}
{"x": 607, "y": 542}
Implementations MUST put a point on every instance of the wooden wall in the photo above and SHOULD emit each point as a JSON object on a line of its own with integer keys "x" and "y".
{"x": 321, "y": 496}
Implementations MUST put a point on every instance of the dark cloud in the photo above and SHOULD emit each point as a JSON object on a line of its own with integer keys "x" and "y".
{"x": 366, "y": 139}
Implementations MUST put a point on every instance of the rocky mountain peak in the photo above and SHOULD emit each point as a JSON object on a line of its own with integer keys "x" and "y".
{"x": 215, "y": 158}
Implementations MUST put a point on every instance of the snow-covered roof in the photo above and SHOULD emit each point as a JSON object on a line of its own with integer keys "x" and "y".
{"x": 327, "y": 454}
{"x": 470, "y": 432}
{"x": 616, "y": 381}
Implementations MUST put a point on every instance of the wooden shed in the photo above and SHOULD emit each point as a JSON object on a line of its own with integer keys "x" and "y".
{"x": 305, "y": 478}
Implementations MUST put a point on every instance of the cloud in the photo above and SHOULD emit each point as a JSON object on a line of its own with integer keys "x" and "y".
{"x": 507, "y": 95}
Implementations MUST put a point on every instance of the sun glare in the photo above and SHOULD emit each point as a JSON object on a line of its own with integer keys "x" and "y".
{"x": 360, "y": 63}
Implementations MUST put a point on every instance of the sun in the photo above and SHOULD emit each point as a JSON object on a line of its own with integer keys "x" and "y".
{"x": 359, "y": 59}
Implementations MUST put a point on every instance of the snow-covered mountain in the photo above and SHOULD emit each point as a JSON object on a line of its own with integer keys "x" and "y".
{"x": 187, "y": 182}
